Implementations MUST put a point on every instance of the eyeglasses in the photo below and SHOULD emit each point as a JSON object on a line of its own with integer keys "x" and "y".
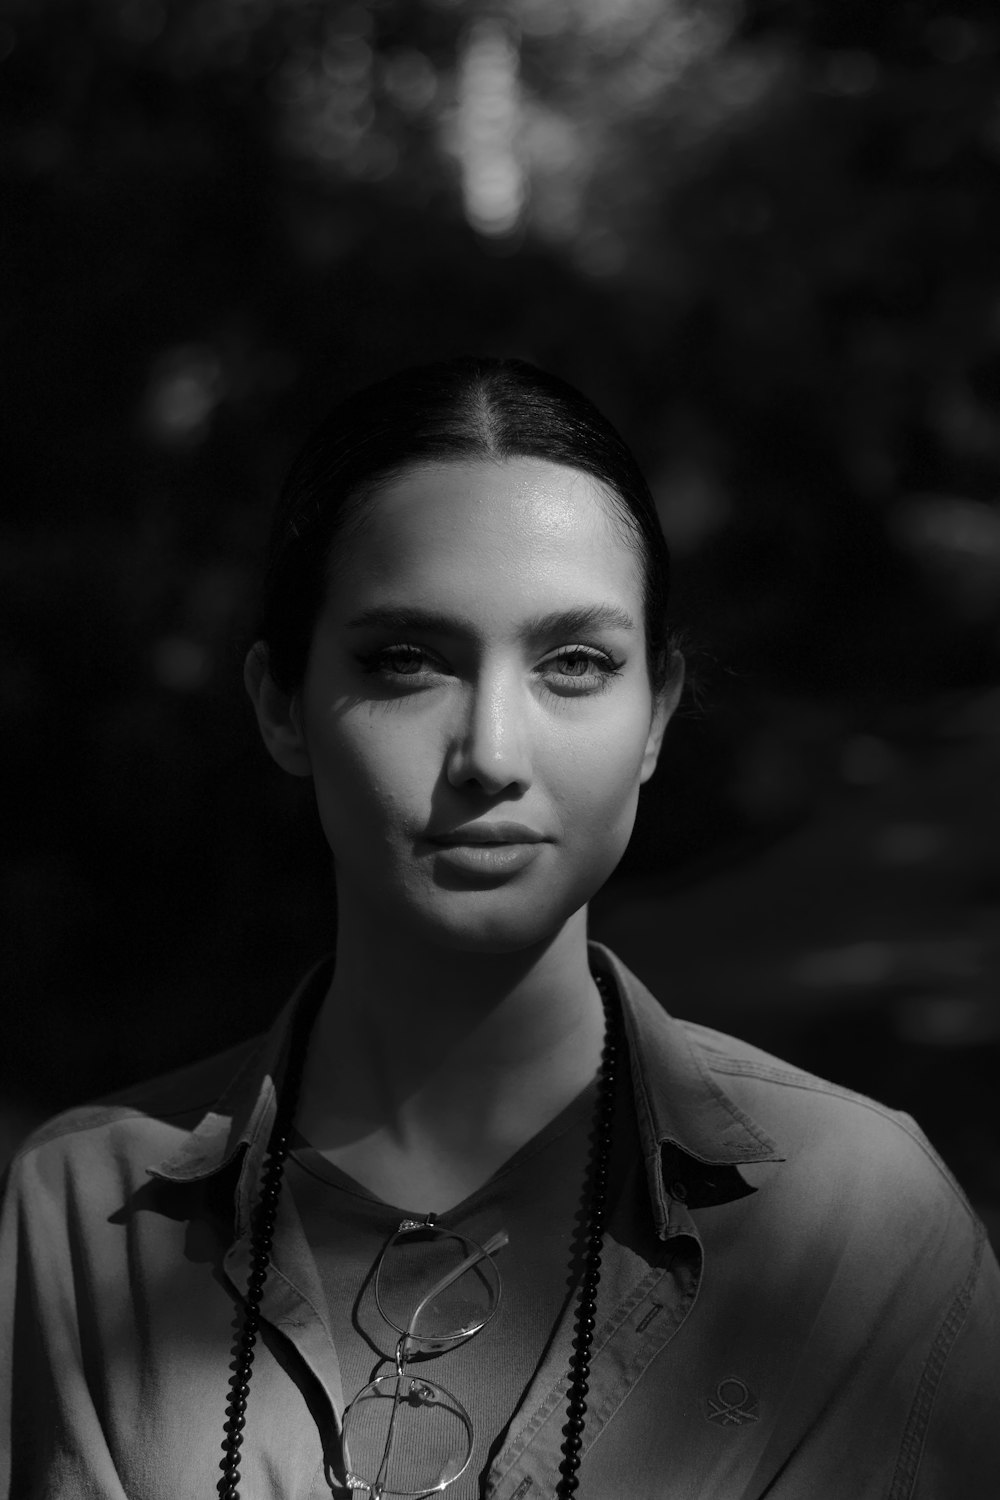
{"x": 404, "y": 1436}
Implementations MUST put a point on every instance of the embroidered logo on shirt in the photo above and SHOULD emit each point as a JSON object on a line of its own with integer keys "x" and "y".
{"x": 733, "y": 1403}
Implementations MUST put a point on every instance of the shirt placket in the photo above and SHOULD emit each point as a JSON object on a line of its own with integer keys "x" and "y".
{"x": 643, "y": 1298}
{"x": 293, "y": 1305}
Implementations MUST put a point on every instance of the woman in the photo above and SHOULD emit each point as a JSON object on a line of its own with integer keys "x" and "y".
{"x": 476, "y": 1215}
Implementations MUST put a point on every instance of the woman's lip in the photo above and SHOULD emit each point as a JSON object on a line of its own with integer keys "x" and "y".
{"x": 487, "y": 861}
{"x": 487, "y": 833}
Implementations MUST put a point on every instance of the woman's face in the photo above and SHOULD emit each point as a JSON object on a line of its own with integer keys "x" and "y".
{"x": 479, "y": 672}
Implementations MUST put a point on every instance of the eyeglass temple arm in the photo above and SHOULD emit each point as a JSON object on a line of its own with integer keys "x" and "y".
{"x": 493, "y": 1244}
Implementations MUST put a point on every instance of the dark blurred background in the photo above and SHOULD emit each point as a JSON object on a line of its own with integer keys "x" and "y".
{"x": 764, "y": 237}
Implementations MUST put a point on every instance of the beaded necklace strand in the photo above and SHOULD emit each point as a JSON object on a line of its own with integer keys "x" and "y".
{"x": 262, "y": 1239}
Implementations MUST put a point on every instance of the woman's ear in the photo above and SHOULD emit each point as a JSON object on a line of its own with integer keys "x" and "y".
{"x": 279, "y": 716}
{"x": 663, "y": 712}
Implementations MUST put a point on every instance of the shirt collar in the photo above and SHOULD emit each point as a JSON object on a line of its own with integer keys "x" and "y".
{"x": 694, "y": 1136}
{"x": 244, "y": 1113}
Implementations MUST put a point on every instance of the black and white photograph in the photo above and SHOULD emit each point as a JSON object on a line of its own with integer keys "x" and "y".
{"x": 500, "y": 678}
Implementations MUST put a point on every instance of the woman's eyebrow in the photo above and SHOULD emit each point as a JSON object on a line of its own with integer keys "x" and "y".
{"x": 564, "y": 622}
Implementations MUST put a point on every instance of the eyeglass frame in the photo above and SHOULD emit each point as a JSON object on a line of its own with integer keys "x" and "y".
{"x": 496, "y": 1242}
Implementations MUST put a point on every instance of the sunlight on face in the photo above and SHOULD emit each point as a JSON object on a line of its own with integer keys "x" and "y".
{"x": 480, "y": 660}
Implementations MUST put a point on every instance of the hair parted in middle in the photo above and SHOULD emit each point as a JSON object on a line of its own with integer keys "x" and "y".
{"x": 459, "y": 409}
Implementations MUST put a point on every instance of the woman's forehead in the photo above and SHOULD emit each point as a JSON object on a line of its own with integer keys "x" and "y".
{"x": 522, "y": 528}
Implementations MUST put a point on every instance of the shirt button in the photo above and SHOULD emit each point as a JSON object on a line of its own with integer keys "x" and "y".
{"x": 679, "y": 1191}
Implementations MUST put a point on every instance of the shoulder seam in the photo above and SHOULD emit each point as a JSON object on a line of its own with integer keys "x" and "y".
{"x": 799, "y": 1079}
{"x": 96, "y": 1117}
{"x": 912, "y": 1442}
{"x": 95, "y": 1114}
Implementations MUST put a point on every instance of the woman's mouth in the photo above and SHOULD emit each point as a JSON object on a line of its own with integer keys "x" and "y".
{"x": 487, "y": 850}
{"x": 487, "y": 833}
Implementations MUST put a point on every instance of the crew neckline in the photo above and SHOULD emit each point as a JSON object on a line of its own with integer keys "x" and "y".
{"x": 578, "y": 1111}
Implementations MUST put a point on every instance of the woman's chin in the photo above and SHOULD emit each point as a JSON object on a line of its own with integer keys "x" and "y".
{"x": 497, "y": 935}
{"x": 507, "y": 926}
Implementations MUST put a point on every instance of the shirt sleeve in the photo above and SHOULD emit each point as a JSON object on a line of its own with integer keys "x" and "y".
{"x": 52, "y": 1446}
{"x": 952, "y": 1442}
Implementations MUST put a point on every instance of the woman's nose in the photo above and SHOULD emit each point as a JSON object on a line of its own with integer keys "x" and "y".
{"x": 490, "y": 746}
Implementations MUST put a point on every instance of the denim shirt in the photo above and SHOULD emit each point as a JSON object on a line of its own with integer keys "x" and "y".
{"x": 795, "y": 1299}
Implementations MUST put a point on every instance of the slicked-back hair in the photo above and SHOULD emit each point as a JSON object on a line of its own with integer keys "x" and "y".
{"x": 459, "y": 409}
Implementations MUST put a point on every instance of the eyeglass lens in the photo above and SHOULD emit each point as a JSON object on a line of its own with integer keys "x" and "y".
{"x": 413, "y": 1445}
{"x": 418, "y": 1292}
{"x": 405, "y": 1435}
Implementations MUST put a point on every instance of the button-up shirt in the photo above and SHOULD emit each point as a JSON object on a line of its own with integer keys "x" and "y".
{"x": 796, "y": 1301}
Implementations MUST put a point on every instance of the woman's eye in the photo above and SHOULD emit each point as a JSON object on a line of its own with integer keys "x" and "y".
{"x": 575, "y": 670}
{"x": 579, "y": 668}
{"x": 396, "y": 661}
{"x": 575, "y": 664}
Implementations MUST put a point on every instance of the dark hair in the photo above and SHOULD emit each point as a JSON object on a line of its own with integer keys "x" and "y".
{"x": 459, "y": 409}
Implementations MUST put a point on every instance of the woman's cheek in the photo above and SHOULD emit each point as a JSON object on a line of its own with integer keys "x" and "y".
{"x": 388, "y": 782}
{"x": 605, "y": 769}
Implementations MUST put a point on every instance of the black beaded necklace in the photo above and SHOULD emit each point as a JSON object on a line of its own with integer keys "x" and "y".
{"x": 262, "y": 1239}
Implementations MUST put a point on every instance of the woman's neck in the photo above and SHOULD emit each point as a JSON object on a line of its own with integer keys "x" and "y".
{"x": 432, "y": 1068}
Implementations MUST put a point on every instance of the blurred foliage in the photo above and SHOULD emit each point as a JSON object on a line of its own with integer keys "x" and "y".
{"x": 764, "y": 237}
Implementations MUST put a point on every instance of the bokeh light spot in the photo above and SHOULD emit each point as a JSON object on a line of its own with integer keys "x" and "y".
{"x": 493, "y": 179}
{"x": 185, "y": 388}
